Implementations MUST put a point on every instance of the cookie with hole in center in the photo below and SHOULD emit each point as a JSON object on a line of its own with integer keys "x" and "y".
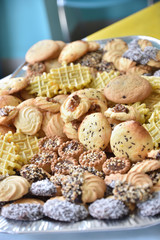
{"x": 127, "y": 89}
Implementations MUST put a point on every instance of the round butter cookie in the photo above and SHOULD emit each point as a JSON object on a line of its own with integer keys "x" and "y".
{"x": 42, "y": 50}
{"x": 9, "y": 100}
{"x": 94, "y": 131}
{"x": 127, "y": 89}
{"x": 131, "y": 140}
{"x": 73, "y": 51}
{"x": 29, "y": 120}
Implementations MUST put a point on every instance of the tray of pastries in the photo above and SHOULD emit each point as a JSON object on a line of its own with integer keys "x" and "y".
{"x": 80, "y": 137}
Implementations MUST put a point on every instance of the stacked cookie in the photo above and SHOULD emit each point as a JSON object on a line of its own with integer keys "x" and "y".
{"x": 72, "y": 141}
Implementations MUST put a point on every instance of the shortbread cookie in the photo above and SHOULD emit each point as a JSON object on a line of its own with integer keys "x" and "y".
{"x": 9, "y": 100}
{"x": 108, "y": 208}
{"x": 93, "y": 46}
{"x": 140, "y": 180}
{"x": 13, "y": 187}
{"x": 41, "y": 51}
{"x": 143, "y": 43}
{"x": 146, "y": 166}
{"x": 7, "y": 114}
{"x": 73, "y": 51}
{"x": 60, "y": 98}
{"x": 50, "y": 64}
{"x": 140, "y": 69}
{"x": 120, "y": 88}
{"x": 55, "y": 126}
{"x": 71, "y": 129}
{"x": 29, "y": 120}
{"x": 61, "y": 44}
{"x": 92, "y": 94}
{"x": 35, "y": 69}
{"x": 47, "y": 104}
{"x": 94, "y": 131}
{"x": 155, "y": 154}
{"x": 122, "y": 113}
{"x": 27, "y": 103}
{"x": 131, "y": 140}
{"x": 13, "y": 85}
{"x": 24, "y": 209}
{"x": 116, "y": 44}
{"x": 74, "y": 107}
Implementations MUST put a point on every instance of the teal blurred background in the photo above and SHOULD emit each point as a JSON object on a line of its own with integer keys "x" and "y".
{"x": 24, "y": 22}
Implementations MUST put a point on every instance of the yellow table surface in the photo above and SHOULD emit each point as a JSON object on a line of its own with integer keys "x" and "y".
{"x": 145, "y": 22}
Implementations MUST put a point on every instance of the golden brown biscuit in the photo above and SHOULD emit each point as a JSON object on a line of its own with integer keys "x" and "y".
{"x": 133, "y": 178}
{"x": 13, "y": 85}
{"x": 94, "y": 131}
{"x": 71, "y": 129}
{"x": 93, "y": 46}
{"x": 131, "y": 140}
{"x": 9, "y": 100}
{"x": 74, "y": 107}
{"x": 153, "y": 63}
{"x": 55, "y": 126}
{"x": 52, "y": 63}
{"x": 140, "y": 69}
{"x": 47, "y": 104}
{"x": 92, "y": 94}
{"x": 7, "y": 114}
{"x": 27, "y": 103}
{"x": 46, "y": 118}
{"x": 42, "y": 50}
{"x": 146, "y": 166}
{"x": 144, "y": 43}
{"x": 127, "y": 89}
{"x": 116, "y": 44}
{"x": 61, "y": 44}
{"x": 122, "y": 113}
{"x": 97, "y": 106}
{"x": 93, "y": 188}
{"x": 60, "y": 98}
{"x": 73, "y": 51}
{"x": 13, "y": 187}
{"x": 29, "y": 120}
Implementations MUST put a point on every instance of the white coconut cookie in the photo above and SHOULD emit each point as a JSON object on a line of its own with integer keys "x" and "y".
{"x": 94, "y": 131}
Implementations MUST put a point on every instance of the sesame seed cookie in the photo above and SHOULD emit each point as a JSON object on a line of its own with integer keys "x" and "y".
{"x": 94, "y": 131}
{"x": 127, "y": 89}
{"x": 131, "y": 140}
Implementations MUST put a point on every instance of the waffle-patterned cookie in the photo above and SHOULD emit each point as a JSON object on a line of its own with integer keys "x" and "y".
{"x": 103, "y": 79}
{"x": 10, "y": 160}
{"x": 60, "y": 81}
{"x": 153, "y": 127}
{"x": 155, "y": 83}
{"x": 142, "y": 109}
{"x": 28, "y": 145}
{"x": 72, "y": 77}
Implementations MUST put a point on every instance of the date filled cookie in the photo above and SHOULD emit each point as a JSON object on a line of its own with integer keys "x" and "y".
{"x": 94, "y": 131}
{"x": 127, "y": 89}
{"x": 131, "y": 140}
